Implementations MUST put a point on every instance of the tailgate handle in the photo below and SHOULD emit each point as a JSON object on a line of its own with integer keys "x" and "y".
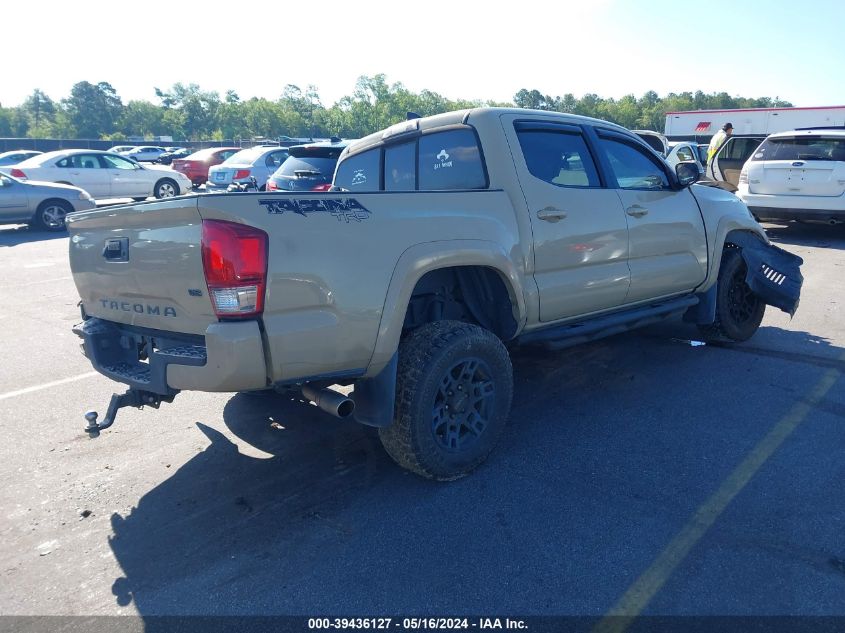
{"x": 116, "y": 249}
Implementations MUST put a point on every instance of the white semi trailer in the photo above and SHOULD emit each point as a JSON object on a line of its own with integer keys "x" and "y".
{"x": 701, "y": 125}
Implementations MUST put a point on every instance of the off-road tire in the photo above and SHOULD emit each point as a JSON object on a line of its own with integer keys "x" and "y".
{"x": 738, "y": 310}
{"x": 440, "y": 358}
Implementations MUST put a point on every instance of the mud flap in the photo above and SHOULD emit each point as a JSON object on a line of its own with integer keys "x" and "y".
{"x": 774, "y": 275}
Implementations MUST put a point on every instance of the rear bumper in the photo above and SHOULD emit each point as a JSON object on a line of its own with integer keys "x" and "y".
{"x": 777, "y": 213}
{"x": 229, "y": 357}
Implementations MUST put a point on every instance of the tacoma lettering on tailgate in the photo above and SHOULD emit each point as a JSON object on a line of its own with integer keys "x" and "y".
{"x": 140, "y": 308}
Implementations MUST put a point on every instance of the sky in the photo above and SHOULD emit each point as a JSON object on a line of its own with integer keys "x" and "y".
{"x": 470, "y": 49}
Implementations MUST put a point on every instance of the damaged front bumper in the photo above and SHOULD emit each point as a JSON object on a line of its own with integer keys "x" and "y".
{"x": 773, "y": 274}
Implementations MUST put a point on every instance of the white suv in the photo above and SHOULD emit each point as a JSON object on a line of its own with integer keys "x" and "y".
{"x": 797, "y": 175}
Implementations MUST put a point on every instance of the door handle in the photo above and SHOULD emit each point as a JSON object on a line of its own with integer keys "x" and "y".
{"x": 636, "y": 211}
{"x": 551, "y": 214}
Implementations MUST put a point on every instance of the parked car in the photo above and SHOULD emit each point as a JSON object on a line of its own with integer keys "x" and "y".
{"x": 728, "y": 161}
{"x": 195, "y": 166}
{"x": 144, "y": 153}
{"x": 43, "y": 205}
{"x": 308, "y": 167}
{"x": 16, "y": 156}
{"x": 798, "y": 175}
{"x": 119, "y": 149}
{"x": 655, "y": 140}
{"x": 171, "y": 153}
{"x": 684, "y": 152}
{"x": 256, "y": 162}
{"x": 103, "y": 174}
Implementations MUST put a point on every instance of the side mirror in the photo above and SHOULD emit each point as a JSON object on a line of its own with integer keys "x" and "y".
{"x": 687, "y": 173}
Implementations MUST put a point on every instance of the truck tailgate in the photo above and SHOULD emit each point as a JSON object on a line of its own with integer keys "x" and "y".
{"x": 142, "y": 265}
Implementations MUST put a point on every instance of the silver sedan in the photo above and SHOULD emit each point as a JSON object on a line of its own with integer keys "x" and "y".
{"x": 42, "y": 205}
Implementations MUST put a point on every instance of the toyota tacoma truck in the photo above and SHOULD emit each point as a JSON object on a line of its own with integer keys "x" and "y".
{"x": 443, "y": 241}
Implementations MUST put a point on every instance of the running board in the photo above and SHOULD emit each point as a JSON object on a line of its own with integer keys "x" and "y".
{"x": 568, "y": 334}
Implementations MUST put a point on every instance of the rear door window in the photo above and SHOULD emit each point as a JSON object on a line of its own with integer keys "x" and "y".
{"x": 450, "y": 160}
{"x": 360, "y": 172}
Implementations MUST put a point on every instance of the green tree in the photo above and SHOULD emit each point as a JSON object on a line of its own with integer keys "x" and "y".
{"x": 142, "y": 118}
{"x": 197, "y": 109}
{"x": 92, "y": 109}
{"x": 41, "y": 111}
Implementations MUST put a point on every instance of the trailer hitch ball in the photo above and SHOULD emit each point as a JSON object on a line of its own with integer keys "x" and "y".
{"x": 132, "y": 398}
{"x": 92, "y": 428}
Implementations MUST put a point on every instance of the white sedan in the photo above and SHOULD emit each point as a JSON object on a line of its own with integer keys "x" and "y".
{"x": 103, "y": 174}
{"x": 144, "y": 153}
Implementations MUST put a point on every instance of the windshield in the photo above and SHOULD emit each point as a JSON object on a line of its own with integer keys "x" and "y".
{"x": 801, "y": 148}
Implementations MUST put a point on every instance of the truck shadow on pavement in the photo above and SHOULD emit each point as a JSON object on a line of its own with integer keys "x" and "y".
{"x": 288, "y": 510}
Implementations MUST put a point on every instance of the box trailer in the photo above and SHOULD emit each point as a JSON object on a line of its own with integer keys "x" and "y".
{"x": 701, "y": 125}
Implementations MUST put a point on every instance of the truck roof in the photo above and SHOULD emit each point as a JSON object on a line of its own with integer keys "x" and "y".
{"x": 458, "y": 117}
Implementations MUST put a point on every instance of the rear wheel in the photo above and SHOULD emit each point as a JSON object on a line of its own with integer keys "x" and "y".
{"x": 166, "y": 188}
{"x": 739, "y": 311}
{"x": 453, "y": 397}
{"x": 50, "y": 215}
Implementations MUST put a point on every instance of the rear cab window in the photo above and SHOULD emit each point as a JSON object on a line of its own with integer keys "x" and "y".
{"x": 360, "y": 172}
{"x": 437, "y": 161}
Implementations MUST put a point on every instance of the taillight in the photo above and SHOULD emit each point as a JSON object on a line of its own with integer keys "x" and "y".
{"x": 271, "y": 186}
{"x": 234, "y": 259}
{"x": 324, "y": 187}
{"x": 17, "y": 173}
{"x": 743, "y": 176}
{"x": 242, "y": 173}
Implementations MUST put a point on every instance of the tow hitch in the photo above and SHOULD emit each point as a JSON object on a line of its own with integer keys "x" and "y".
{"x": 132, "y": 398}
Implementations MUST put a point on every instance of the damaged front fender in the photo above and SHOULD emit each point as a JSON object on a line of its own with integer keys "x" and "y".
{"x": 773, "y": 274}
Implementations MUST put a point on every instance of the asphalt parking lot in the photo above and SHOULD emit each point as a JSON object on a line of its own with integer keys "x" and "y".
{"x": 639, "y": 475}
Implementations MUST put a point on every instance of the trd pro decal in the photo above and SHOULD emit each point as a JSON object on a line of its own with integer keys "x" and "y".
{"x": 347, "y": 209}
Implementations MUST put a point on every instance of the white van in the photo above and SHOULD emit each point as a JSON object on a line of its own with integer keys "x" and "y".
{"x": 798, "y": 175}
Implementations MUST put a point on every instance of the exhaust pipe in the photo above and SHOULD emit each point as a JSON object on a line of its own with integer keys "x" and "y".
{"x": 330, "y": 401}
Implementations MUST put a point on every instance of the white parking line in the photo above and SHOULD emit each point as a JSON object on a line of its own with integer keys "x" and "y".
{"x": 47, "y": 385}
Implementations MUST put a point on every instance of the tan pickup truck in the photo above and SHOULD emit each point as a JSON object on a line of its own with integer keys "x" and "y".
{"x": 443, "y": 239}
